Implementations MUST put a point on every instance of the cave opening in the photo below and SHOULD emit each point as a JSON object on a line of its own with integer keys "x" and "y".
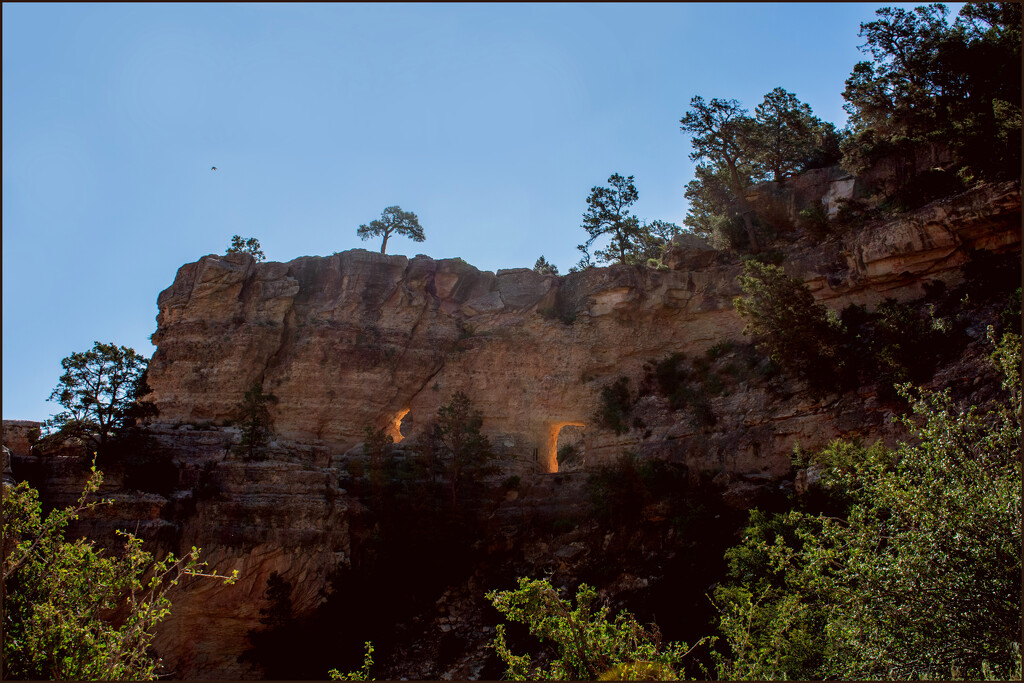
{"x": 565, "y": 446}
{"x": 400, "y": 425}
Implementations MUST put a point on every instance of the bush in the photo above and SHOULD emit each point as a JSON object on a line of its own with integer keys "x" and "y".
{"x": 701, "y": 414}
{"x": 587, "y": 644}
{"x": 246, "y": 245}
{"x": 814, "y": 219}
{"x": 916, "y": 574}
{"x": 1010, "y": 317}
{"x": 797, "y": 332}
{"x": 729, "y": 233}
{"x": 670, "y": 375}
{"x": 904, "y": 344}
{"x": 254, "y": 419}
{"x": 363, "y": 674}
{"x": 616, "y": 404}
{"x": 70, "y": 610}
{"x": 720, "y": 349}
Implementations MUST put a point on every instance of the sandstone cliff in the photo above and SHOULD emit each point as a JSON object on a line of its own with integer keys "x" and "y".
{"x": 362, "y": 339}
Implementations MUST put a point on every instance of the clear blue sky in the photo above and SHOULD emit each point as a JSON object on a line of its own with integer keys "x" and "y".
{"x": 491, "y": 122}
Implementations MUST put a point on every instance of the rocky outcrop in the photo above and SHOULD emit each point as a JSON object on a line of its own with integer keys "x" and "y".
{"x": 363, "y": 339}
{"x": 21, "y": 435}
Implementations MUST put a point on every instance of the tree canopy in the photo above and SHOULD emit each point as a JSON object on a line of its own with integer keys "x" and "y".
{"x": 608, "y": 214}
{"x": 393, "y": 221}
{"x": 931, "y": 83}
{"x": 462, "y": 447}
{"x": 246, "y": 245}
{"x": 544, "y": 267}
{"x": 789, "y": 324}
{"x": 101, "y": 392}
{"x": 736, "y": 150}
{"x": 253, "y": 416}
{"x": 785, "y": 135}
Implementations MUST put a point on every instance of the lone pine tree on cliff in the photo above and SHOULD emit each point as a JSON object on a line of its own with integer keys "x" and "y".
{"x": 608, "y": 214}
{"x": 393, "y": 221}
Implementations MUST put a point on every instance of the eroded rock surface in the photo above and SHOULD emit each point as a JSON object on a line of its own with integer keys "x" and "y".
{"x": 362, "y": 339}
{"x": 359, "y": 338}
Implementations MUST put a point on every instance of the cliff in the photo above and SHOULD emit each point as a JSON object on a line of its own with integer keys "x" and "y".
{"x": 362, "y": 339}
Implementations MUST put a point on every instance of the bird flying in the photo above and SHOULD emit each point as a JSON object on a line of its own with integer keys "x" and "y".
{"x": 213, "y": 168}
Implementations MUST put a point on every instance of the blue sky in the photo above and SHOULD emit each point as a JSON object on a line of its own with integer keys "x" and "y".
{"x": 491, "y": 122}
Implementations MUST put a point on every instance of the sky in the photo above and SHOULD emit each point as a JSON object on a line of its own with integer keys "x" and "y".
{"x": 491, "y": 122}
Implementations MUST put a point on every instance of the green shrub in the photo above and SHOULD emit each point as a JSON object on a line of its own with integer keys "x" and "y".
{"x": 713, "y": 385}
{"x": 362, "y": 674}
{"x": 915, "y": 573}
{"x": 616, "y": 404}
{"x": 587, "y": 644}
{"x": 1010, "y": 317}
{"x": 797, "y": 332}
{"x": 729, "y": 233}
{"x": 701, "y": 414}
{"x": 73, "y": 611}
{"x": 814, "y": 219}
{"x": 254, "y": 419}
{"x": 904, "y": 344}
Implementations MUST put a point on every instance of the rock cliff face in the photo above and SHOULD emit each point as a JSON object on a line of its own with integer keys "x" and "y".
{"x": 362, "y": 339}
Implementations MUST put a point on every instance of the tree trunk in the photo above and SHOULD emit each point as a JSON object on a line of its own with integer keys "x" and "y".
{"x": 744, "y": 206}
{"x": 384, "y": 244}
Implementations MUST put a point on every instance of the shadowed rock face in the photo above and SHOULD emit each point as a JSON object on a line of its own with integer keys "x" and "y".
{"x": 364, "y": 339}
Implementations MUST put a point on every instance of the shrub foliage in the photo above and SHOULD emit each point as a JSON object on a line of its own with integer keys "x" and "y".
{"x": 71, "y": 611}
{"x": 917, "y": 574}
{"x": 587, "y": 644}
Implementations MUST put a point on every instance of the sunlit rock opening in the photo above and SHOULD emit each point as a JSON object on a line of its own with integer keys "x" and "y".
{"x": 400, "y": 425}
{"x": 565, "y": 446}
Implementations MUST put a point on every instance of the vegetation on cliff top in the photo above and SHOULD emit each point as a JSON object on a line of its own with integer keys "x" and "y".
{"x": 246, "y": 245}
{"x": 393, "y": 221}
{"x": 930, "y": 89}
